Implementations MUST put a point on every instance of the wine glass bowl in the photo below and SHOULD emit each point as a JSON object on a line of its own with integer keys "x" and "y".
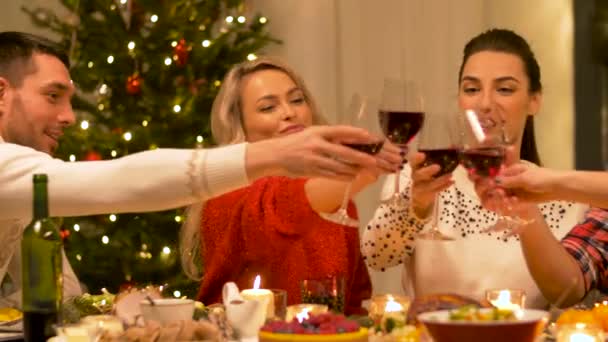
{"x": 483, "y": 155}
{"x": 400, "y": 127}
{"x": 440, "y": 141}
{"x": 357, "y": 115}
{"x": 371, "y": 148}
{"x": 401, "y": 116}
{"x": 483, "y": 152}
{"x": 483, "y": 161}
{"x": 447, "y": 159}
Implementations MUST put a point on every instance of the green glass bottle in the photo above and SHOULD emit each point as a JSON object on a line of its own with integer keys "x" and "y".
{"x": 41, "y": 268}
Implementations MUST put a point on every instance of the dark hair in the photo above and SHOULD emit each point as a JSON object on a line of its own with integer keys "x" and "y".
{"x": 16, "y": 50}
{"x": 502, "y": 40}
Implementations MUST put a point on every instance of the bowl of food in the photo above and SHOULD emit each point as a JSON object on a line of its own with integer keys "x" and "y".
{"x": 167, "y": 309}
{"x": 470, "y": 323}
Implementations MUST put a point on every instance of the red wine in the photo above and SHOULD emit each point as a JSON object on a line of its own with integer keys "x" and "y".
{"x": 400, "y": 127}
{"x": 484, "y": 161}
{"x": 372, "y": 148}
{"x": 38, "y": 326}
{"x": 447, "y": 158}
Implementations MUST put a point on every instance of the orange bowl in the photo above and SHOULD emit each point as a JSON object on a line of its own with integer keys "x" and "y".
{"x": 526, "y": 328}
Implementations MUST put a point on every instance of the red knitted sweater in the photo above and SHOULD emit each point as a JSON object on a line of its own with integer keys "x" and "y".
{"x": 270, "y": 229}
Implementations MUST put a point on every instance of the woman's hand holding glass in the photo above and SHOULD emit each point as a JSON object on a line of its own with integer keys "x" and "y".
{"x": 484, "y": 155}
{"x": 515, "y": 210}
{"x": 529, "y": 182}
{"x": 440, "y": 142}
{"x": 425, "y": 184}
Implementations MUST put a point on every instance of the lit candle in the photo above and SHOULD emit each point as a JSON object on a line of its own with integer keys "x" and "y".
{"x": 581, "y": 337}
{"x": 392, "y": 306}
{"x": 302, "y": 315}
{"x": 579, "y": 332}
{"x": 107, "y": 323}
{"x": 388, "y": 306}
{"x": 506, "y": 299}
{"x": 303, "y": 311}
{"x": 256, "y": 293}
{"x": 393, "y": 310}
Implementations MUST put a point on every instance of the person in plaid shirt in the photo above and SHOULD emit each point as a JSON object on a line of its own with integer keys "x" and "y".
{"x": 570, "y": 268}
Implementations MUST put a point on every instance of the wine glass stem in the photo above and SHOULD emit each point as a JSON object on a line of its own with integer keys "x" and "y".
{"x": 436, "y": 213}
{"x": 397, "y": 176}
{"x": 346, "y": 198}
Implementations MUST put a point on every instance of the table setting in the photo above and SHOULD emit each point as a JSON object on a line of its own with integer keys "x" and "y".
{"x": 262, "y": 315}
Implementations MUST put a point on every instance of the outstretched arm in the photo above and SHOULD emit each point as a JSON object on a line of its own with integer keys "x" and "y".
{"x": 170, "y": 178}
{"x": 555, "y": 271}
{"x": 543, "y": 184}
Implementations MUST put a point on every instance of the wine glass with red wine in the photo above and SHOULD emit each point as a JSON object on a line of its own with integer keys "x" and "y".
{"x": 401, "y": 116}
{"x": 483, "y": 154}
{"x": 440, "y": 141}
{"x": 357, "y": 115}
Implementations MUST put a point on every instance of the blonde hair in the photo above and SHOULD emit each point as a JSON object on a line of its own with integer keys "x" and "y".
{"x": 226, "y": 112}
{"x": 227, "y": 128}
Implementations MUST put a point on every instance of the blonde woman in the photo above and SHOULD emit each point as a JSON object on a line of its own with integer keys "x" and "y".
{"x": 272, "y": 228}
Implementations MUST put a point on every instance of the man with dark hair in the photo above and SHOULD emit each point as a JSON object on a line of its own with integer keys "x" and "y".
{"x": 45, "y": 96}
{"x": 35, "y": 108}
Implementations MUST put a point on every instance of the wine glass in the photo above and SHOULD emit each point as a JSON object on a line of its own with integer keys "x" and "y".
{"x": 440, "y": 141}
{"x": 358, "y": 115}
{"x": 401, "y": 116}
{"x": 483, "y": 154}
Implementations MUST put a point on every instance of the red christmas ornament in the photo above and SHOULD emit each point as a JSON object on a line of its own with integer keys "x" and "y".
{"x": 134, "y": 83}
{"x": 92, "y": 155}
{"x": 181, "y": 52}
{"x": 64, "y": 233}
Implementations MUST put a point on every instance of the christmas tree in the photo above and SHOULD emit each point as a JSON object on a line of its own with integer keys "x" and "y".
{"x": 146, "y": 73}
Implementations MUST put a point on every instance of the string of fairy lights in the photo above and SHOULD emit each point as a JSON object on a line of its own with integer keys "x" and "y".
{"x": 104, "y": 90}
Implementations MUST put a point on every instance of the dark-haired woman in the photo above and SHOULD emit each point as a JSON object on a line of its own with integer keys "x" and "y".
{"x": 499, "y": 76}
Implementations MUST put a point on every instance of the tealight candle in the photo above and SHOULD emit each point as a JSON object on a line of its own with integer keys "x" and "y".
{"x": 107, "y": 323}
{"x": 506, "y": 299}
{"x": 256, "y": 293}
{"x": 579, "y": 332}
{"x": 302, "y": 311}
{"x": 388, "y": 306}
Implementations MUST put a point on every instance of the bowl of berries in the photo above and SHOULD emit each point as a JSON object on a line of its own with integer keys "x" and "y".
{"x": 323, "y": 327}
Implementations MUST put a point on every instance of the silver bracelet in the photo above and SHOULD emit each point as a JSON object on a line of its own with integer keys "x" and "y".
{"x": 196, "y": 166}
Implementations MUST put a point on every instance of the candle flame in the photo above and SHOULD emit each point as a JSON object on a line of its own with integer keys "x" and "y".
{"x": 303, "y": 315}
{"x": 581, "y": 337}
{"x": 392, "y": 305}
{"x": 504, "y": 297}
{"x": 256, "y": 282}
{"x": 505, "y": 302}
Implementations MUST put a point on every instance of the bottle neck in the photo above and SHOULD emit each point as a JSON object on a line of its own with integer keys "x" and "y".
{"x": 41, "y": 204}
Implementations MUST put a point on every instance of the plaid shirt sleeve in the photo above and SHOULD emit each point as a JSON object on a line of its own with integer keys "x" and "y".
{"x": 587, "y": 242}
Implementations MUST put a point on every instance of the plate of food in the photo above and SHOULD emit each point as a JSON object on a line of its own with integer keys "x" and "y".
{"x": 10, "y": 316}
{"x": 470, "y": 323}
